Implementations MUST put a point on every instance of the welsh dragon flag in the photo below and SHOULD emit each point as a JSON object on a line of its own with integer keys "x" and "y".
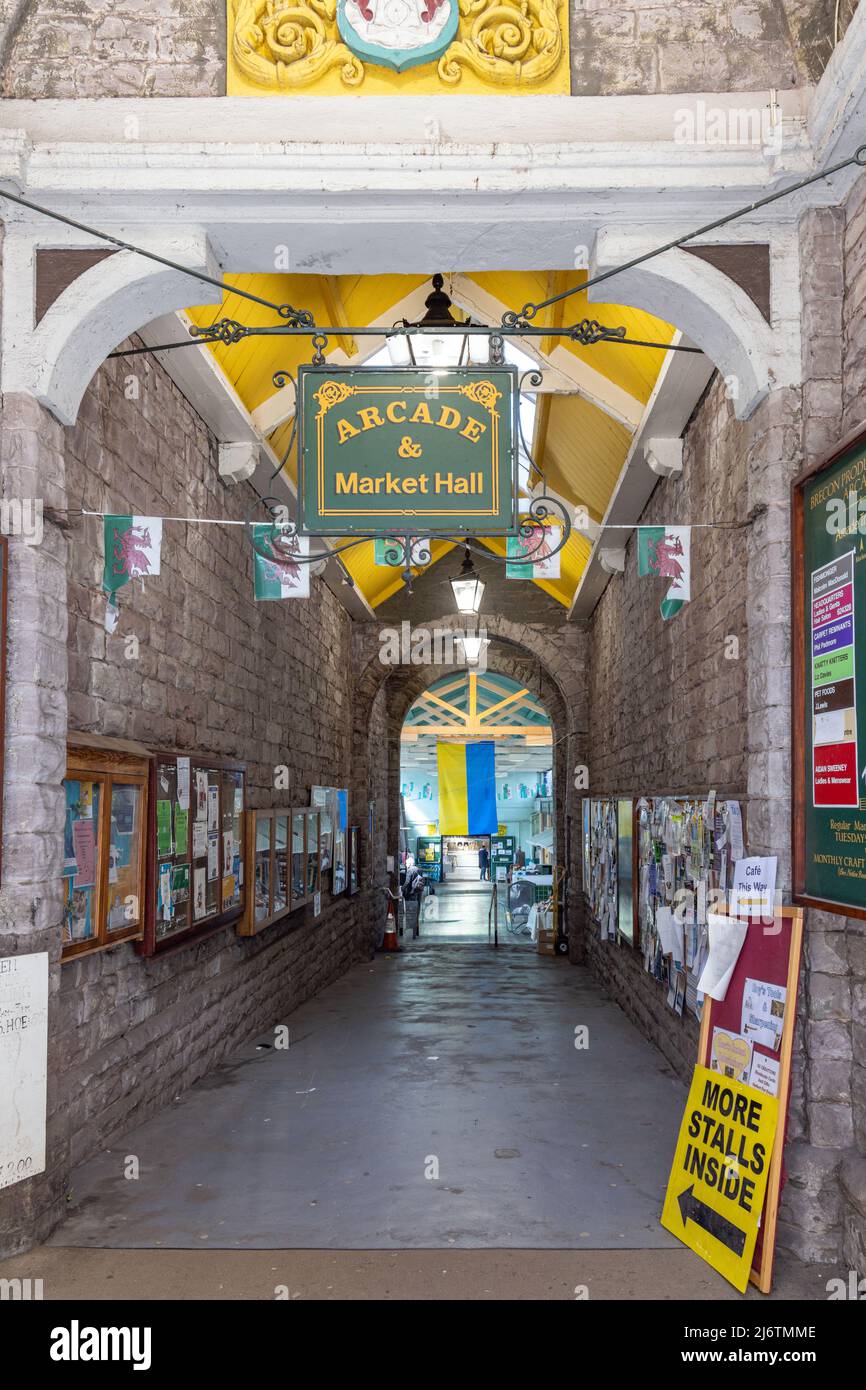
{"x": 132, "y": 549}
{"x": 665, "y": 553}
{"x": 282, "y": 576}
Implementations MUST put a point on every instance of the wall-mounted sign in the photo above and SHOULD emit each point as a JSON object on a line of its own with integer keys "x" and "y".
{"x": 388, "y": 449}
{"x": 23, "y": 1065}
{"x": 829, "y": 548}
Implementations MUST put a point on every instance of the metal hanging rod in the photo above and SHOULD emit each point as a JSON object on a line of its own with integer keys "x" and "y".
{"x": 588, "y": 333}
{"x": 284, "y": 310}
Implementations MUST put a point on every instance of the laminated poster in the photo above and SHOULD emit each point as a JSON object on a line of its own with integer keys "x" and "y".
{"x": 213, "y": 868}
{"x": 763, "y": 1013}
{"x": 731, "y": 1054}
{"x": 199, "y": 839}
{"x": 213, "y": 808}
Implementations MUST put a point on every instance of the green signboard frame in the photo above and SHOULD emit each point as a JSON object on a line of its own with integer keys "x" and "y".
{"x": 408, "y": 451}
{"x": 829, "y": 681}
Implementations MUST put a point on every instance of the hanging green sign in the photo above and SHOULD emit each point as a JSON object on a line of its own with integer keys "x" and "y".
{"x": 830, "y": 683}
{"x": 394, "y": 450}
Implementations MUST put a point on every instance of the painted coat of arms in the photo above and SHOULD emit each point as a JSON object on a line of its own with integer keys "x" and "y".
{"x": 397, "y": 33}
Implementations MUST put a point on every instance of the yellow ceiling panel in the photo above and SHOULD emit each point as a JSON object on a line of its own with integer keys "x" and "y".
{"x": 379, "y": 582}
{"x": 584, "y": 452}
{"x": 634, "y": 369}
{"x": 572, "y": 561}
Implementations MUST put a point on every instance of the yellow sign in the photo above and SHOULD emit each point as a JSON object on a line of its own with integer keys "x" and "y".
{"x": 719, "y": 1176}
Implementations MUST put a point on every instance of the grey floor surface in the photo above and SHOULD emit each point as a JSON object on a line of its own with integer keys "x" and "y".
{"x": 428, "y": 1099}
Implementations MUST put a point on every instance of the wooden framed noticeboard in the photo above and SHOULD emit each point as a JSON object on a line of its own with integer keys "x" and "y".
{"x": 829, "y": 682}
{"x": 760, "y": 1002}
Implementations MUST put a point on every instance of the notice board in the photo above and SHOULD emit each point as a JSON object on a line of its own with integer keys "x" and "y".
{"x": 829, "y": 682}
{"x": 770, "y": 956}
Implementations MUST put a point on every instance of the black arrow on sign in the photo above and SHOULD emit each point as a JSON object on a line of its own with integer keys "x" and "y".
{"x": 692, "y": 1209}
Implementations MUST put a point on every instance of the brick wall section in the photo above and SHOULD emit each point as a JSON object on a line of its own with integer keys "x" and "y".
{"x": 268, "y": 683}
{"x": 93, "y": 48}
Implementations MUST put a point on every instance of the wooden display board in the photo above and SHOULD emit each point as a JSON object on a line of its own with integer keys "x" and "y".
{"x": 770, "y": 954}
{"x": 829, "y": 681}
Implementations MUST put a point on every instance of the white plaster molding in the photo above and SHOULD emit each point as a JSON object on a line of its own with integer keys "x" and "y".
{"x": 238, "y": 460}
{"x": 754, "y": 355}
{"x": 612, "y": 559}
{"x": 664, "y": 456}
{"x": 56, "y": 359}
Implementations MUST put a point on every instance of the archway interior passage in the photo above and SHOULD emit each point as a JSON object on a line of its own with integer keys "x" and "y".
{"x": 465, "y": 710}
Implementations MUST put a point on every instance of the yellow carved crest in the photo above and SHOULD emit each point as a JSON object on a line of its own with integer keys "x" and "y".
{"x": 519, "y": 46}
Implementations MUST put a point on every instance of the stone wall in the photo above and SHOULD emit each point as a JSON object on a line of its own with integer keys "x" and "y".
{"x": 666, "y": 699}
{"x": 210, "y": 670}
{"x": 93, "y": 48}
{"x": 729, "y": 46}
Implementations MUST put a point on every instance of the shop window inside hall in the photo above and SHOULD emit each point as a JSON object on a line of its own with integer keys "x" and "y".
{"x": 197, "y": 844}
{"x": 104, "y": 852}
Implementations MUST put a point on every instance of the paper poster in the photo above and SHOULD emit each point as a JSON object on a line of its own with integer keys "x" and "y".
{"x": 199, "y": 839}
{"x": 23, "y": 1065}
{"x": 213, "y": 868}
{"x": 726, "y": 937}
{"x": 753, "y": 888}
{"x": 163, "y": 828}
{"x": 764, "y": 1074}
{"x": 228, "y": 890}
{"x": 180, "y": 884}
{"x": 199, "y": 906}
{"x": 735, "y": 829}
{"x": 200, "y": 795}
{"x": 85, "y": 853}
{"x": 181, "y": 830}
{"x": 731, "y": 1054}
{"x": 763, "y": 1012}
{"x": 213, "y": 808}
{"x": 183, "y": 783}
{"x": 165, "y": 902}
{"x": 228, "y": 846}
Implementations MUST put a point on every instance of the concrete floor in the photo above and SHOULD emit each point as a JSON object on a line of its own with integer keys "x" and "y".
{"x": 448, "y": 1054}
{"x": 376, "y": 1275}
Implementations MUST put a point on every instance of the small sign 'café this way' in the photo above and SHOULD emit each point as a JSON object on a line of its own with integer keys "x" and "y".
{"x": 384, "y": 448}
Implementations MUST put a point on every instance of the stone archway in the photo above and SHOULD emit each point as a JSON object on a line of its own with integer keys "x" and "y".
{"x": 383, "y": 695}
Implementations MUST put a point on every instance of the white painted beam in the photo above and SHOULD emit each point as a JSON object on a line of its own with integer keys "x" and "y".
{"x": 681, "y": 382}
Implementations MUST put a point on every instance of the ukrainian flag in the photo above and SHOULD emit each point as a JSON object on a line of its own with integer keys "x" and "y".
{"x": 467, "y": 788}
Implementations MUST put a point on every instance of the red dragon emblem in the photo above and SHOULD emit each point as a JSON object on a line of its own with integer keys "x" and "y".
{"x": 282, "y": 569}
{"x": 662, "y": 559}
{"x": 128, "y": 556}
{"x": 537, "y": 544}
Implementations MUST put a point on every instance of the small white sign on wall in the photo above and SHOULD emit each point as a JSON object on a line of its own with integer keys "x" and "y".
{"x": 23, "y": 1065}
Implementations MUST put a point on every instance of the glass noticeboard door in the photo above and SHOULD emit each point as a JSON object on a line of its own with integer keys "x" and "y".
{"x": 283, "y": 844}
{"x": 104, "y": 849}
{"x": 199, "y": 854}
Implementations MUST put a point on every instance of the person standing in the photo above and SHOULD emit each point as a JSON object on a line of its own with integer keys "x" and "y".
{"x": 484, "y": 862}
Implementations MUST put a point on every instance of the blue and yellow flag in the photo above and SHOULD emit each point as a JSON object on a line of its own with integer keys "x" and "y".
{"x": 467, "y": 788}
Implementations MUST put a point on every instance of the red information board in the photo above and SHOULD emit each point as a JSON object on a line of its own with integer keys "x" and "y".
{"x": 770, "y": 954}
